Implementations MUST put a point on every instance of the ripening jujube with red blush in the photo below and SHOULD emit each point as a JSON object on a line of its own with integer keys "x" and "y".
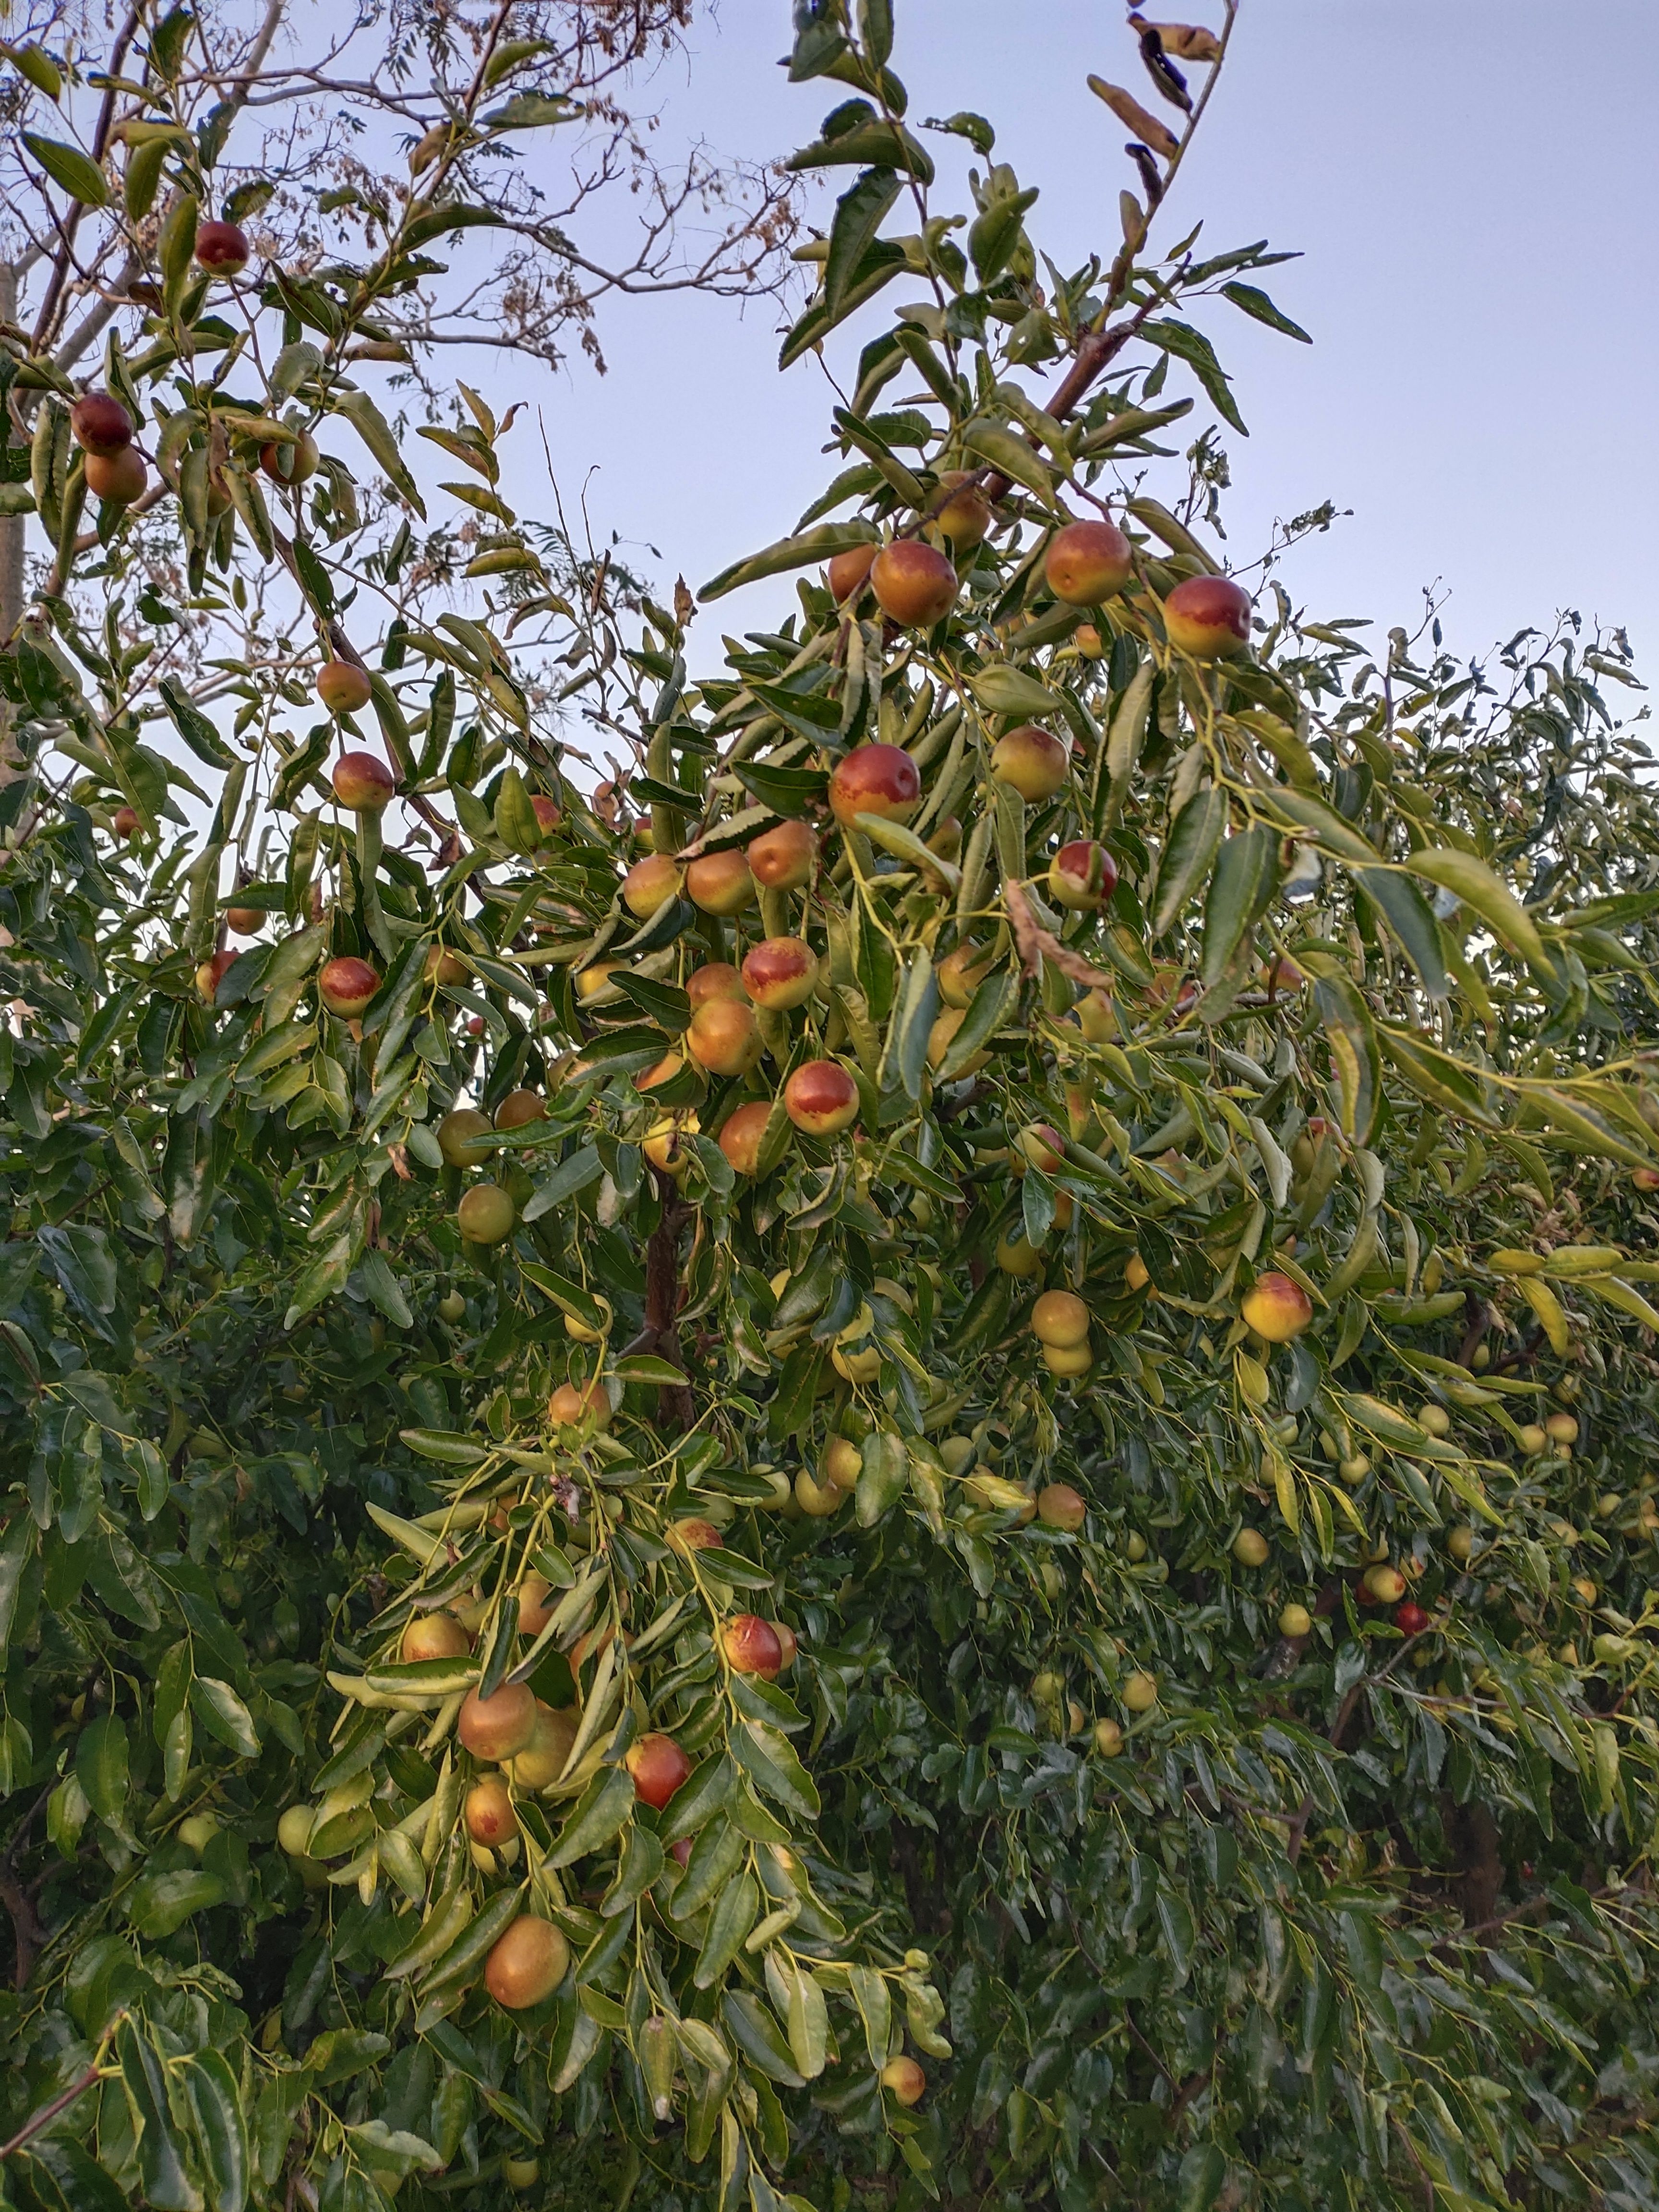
{"x": 751, "y": 1645}
{"x": 782, "y": 860}
{"x": 222, "y": 248}
{"x": 720, "y": 882}
{"x": 489, "y": 1814}
{"x": 779, "y": 972}
{"x": 966, "y": 516}
{"x": 1083, "y": 875}
{"x": 659, "y": 1767}
{"x": 342, "y": 687}
{"x": 570, "y": 1405}
{"x": 724, "y": 1037}
{"x": 212, "y": 973}
{"x": 434, "y": 1636}
{"x": 649, "y": 884}
{"x": 527, "y": 1964}
{"x": 742, "y": 1134}
{"x": 1088, "y": 561}
{"x": 915, "y": 584}
{"x": 362, "y": 782}
{"x": 1276, "y": 1308}
{"x": 520, "y": 1109}
{"x": 289, "y": 461}
{"x": 1060, "y": 1506}
{"x": 1208, "y": 617}
{"x": 347, "y": 985}
{"x": 496, "y": 1727}
{"x": 100, "y": 424}
{"x": 821, "y": 1098}
{"x": 875, "y": 779}
{"x": 118, "y": 478}
{"x": 717, "y": 980}
{"x": 848, "y": 573}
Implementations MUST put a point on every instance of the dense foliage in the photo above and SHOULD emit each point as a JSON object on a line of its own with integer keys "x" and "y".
{"x": 1221, "y": 1746}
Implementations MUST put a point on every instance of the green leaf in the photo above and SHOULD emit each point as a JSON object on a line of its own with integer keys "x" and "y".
{"x": 859, "y": 214}
{"x": 1002, "y": 690}
{"x": 1409, "y": 915}
{"x": 1471, "y": 880}
{"x": 767, "y": 1757}
{"x": 1241, "y": 889}
{"x": 757, "y": 2034}
{"x": 167, "y": 2183}
{"x": 798, "y": 552}
{"x": 1194, "y": 838}
{"x": 100, "y": 1766}
{"x": 732, "y": 1917}
{"x": 1351, "y": 1038}
{"x": 223, "y": 1713}
{"x": 601, "y": 1812}
{"x": 220, "y": 2129}
{"x": 1203, "y": 2170}
{"x": 884, "y": 1472}
{"x": 17, "y": 1549}
{"x": 1011, "y": 456}
{"x": 1196, "y": 349}
{"x": 1257, "y": 305}
{"x": 77, "y": 174}
{"x": 372, "y": 427}
{"x": 869, "y": 1994}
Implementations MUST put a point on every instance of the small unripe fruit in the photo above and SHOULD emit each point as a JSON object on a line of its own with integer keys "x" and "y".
{"x": 742, "y": 1134}
{"x": 126, "y": 824}
{"x": 452, "y": 1307}
{"x": 521, "y": 2172}
{"x": 459, "y": 1125}
{"x": 222, "y": 248}
{"x": 364, "y": 782}
{"x": 1108, "y": 1738}
{"x": 1031, "y": 760}
{"x": 528, "y": 1963}
{"x": 966, "y": 515}
{"x": 1295, "y": 1621}
{"x": 915, "y": 584}
{"x": 817, "y": 1500}
{"x": 841, "y": 1463}
{"x": 1251, "y": 1548}
{"x": 486, "y": 1214}
{"x": 1561, "y": 1429}
{"x": 1087, "y": 563}
{"x": 1134, "y": 1547}
{"x": 960, "y": 974}
{"x": 875, "y": 779}
{"x": 568, "y": 1407}
{"x": 342, "y": 687}
{"x": 1136, "y": 1277}
{"x": 780, "y": 972}
{"x": 434, "y": 1636}
{"x": 782, "y": 860}
{"x": 848, "y": 572}
{"x": 1082, "y": 876}
{"x": 346, "y": 985}
{"x": 1208, "y": 617}
{"x": 117, "y": 478}
{"x": 1460, "y": 1543}
{"x": 1531, "y": 1437}
{"x": 1140, "y": 1692}
{"x": 1015, "y": 1256}
{"x": 659, "y": 1767}
{"x": 100, "y": 424}
{"x": 543, "y": 1759}
{"x": 905, "y": 2081}
{"x": 821, "y": 1098}
{"x": 751, "y": 1646}
{"x": 666, "y": 1149}
{"x": 497, "y": 1727}
{"x": 1276, "y": 1308}
{"x": 197, "y": 1831}
{"x": 1434, "y": 1420}
{"x": 1060, "y": 1506}
{"x": 1355, "y": 1469}
{"x": 1061, "y": 1319}
{"x": 293, "y": 1830}
{"x": 720, "y": 882}
{"x": 489, "y": 1814}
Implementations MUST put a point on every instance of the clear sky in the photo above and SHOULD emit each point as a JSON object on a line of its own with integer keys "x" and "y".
{"x": 1475, "y": 188}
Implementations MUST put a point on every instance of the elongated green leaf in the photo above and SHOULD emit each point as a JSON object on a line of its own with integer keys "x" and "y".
{"x": 859, "y": 214}
{"x": 798, "y": 552}
{"x": 600, "y": 1812}
{"x": 77, "y": 174}
{"x": 1409, "y": 915}
{"x": 732, "y": 1917}
{"x": 1352, "y": 1037}
{"x": 1472, "y": 881}
{"x": 1246, "y": 874}
{"x": 167, "y": 2185}
{"x": 1194, "y": 838}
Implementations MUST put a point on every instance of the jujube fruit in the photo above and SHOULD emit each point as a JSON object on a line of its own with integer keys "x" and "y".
{"x": 222, "y": 248}
{"x": 913, "y": 583}
{"x": 486, "y": 1214}
{"x": 1276, "y": 1308}
{"x": 1033, "y": 761}
{"x": 497, "y": 1727}
{"x": 527, "y": 1964}
{"x": 100, "y": 423}
{"x": 342, "y": 687}
{"x": 659, "y": 1767}
{"x": 1208, "y": 617}
{"x": 362, "y": 782}
{"x": 434, "y": 1636}
{"x": 347, "y": 985}
{"x": 821, "y": 1098}
{"x": 874, "y": 779}
{"x": 1087, "y": 563}
{"x": 488, "y": 1811}
{"x": 118, "y": 478}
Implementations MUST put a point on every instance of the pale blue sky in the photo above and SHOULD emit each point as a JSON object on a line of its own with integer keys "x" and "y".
{"x": 1473, "y": 185}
